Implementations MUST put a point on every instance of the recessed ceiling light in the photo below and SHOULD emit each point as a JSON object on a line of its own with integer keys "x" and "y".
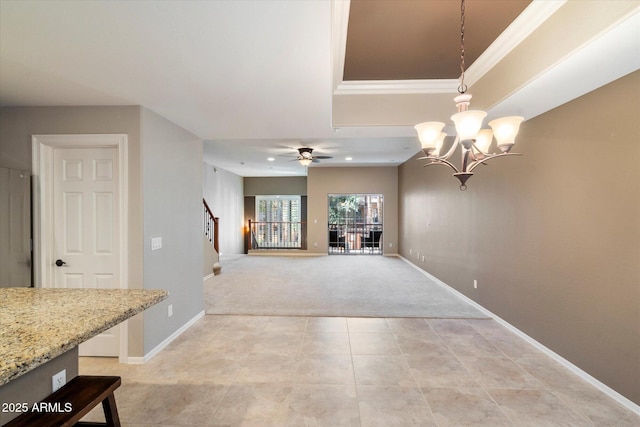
{"x": 348, "y": 158}
{"x": 271, "y": 159}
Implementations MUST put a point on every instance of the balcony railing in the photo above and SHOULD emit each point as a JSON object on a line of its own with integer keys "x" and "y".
{"x": 355, "y": 238}
{"x": 277, "y": 235}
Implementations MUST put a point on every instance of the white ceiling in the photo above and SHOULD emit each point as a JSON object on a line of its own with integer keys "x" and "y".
{"x": 255, "y": 79}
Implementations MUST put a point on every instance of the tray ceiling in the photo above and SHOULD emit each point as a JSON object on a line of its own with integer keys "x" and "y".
{"x": 258, "y": 79}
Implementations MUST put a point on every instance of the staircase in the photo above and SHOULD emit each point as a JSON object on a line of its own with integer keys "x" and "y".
{"x": 212, "y": 260}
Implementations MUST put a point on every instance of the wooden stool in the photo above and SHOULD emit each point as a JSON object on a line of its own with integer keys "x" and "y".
{"x": 67, "y": 406}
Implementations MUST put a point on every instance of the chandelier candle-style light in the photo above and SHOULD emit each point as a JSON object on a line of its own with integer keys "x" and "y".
{"x": 474, "y": 140}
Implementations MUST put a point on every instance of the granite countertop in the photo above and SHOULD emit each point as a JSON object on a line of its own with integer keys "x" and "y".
{"x": 38, "y": 324}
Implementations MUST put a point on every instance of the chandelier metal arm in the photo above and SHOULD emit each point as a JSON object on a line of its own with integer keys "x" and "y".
{"x": 468, "y": 128}
{"x": 447, "y": 155}
{"x": 477, "y": 154}
{"x": 453, "y": 148}
{"x": 475, "y": 164}
{"x": 465, "y": 160}
{"x": 441, "y": 162}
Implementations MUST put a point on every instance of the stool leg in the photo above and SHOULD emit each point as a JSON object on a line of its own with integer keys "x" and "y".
{"x": 111, "y": 411}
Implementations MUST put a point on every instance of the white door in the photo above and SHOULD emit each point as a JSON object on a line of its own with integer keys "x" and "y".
{"x": 85, "y": 228}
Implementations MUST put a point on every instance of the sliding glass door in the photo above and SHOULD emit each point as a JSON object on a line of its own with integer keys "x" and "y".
{"x": 355, "y": 224}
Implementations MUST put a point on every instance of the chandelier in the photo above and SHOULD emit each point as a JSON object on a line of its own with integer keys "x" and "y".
{"x": 474, "y": 141}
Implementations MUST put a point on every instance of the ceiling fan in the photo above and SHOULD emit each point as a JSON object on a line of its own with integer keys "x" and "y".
{"x": 306, "y": 157}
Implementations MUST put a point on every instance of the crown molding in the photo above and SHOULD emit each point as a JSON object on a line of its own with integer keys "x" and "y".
{"x": 339, "y": 26}
{"x": 375, "y": 87}
{"x": 558, "y": 84}
{"x": 526, "y": 23}
{"x": 530, "y": 19}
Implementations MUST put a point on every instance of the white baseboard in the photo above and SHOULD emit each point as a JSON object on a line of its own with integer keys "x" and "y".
{"x": 166, "y": 342}
{"x": 555, "y": 356}
{"x": 283, "y": 252}
{"x": 207, "y": 277}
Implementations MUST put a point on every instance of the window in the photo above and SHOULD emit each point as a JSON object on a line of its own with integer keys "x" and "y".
{"x": 278, "y": 222}
{"x": 278, "y": 209}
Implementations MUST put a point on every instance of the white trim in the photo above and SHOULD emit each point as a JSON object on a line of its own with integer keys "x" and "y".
{"x": 339, "y": 26}
{"x": 207, "y": 277}
{"x": 611, "y": 46}
{"x": 283, "y": 252}
{"x": 526, "y": 23}
{"x": 377, "y": 87}
{"x": 166, "y": 342}
{"x": 555, "y": 356}
{"x": 531, "y": 18}
{"x": 123, "y": 158}
{"x": 42, "y": 152}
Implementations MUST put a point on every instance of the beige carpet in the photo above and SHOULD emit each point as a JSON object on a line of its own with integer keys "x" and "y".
{"x": 349, "y": 286}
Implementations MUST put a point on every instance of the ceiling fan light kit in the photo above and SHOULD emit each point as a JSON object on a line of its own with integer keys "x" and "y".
{"x": 474, "y": 140}
{"x": 306, "y": 157}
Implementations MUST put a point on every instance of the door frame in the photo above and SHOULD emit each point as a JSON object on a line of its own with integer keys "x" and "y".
{"x": 42, "y": 170}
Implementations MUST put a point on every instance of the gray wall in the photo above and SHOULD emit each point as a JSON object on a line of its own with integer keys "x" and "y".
{"x": 323, "y": 181}
{"x": 36, "y": 384}
{"x": 172, "y": 190}
{"x": 18, "y": 124}
{"x": 552, "y": 237}
{"x": 15, "y": 227}
{"x": 223, "y": 192}
{"x": 172, "y": 175}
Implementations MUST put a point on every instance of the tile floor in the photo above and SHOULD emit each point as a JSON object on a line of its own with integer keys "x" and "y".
{"x": 318, "y": 371}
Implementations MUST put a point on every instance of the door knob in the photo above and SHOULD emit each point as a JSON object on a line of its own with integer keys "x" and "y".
{"x": 60, "y": 263}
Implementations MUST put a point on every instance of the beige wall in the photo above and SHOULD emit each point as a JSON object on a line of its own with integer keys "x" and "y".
{"x": 275, "y": 186}
{"x": 323, "y": 181}
{"x": 552, "y": 237}
{"x": 271, "y": 186}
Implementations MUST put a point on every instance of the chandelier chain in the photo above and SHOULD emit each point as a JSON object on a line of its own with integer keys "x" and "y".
{"x": 474, "y": 142}
{"x": 462, "y": 88}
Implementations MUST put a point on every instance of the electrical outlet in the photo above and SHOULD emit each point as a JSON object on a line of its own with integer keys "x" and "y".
{"x": 58, "y": 380}
{"x": 156, "y": 243}
{"x": 475, "y": 284}
{"x": 170, "y": 310}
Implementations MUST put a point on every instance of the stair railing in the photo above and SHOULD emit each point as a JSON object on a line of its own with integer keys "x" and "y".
{"x": 210, "y": 226}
